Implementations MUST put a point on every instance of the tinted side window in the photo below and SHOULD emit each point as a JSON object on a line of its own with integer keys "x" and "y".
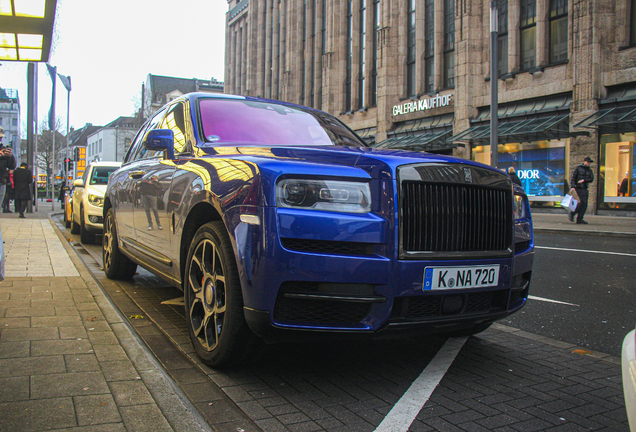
{"x": 175, "y": 121}
{"x": 137, "y": 150}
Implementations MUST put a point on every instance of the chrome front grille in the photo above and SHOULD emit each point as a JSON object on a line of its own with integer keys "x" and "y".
{"x": 452, "y": 216}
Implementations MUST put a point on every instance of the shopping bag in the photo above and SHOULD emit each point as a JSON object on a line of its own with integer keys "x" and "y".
{"x": 569, "y": 202}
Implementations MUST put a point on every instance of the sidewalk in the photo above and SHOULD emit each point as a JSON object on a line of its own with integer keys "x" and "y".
{"x": 609, "y": 226}
{"x": 68, "y": 360}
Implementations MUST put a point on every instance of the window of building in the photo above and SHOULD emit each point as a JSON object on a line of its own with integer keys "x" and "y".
{"x": 429, "y": 46}
{"x": 558, "y": 31}
{"x": 502, "y": 38}
{"x": 100, "y": 145}
{"x": 347, "y": 89}
{"x": 617, "y": 187}
{"x": 323, "y": 30}
{"x": 304, "y": 53}
{"x": 410, "y": 49}
{"x": 239, "y": 57}
{"x": 373, "y": 101}
{"x": 312, "y": 64}
{"x": 449, "y": 43}
{"x": 528, "y": 27}
{"x": 14, "y": 122}
{"x": 632, "y": 34}
{"x": 363, "y": 33}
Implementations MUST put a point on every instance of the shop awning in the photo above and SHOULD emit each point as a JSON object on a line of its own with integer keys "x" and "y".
{"x": 612, "y": 120}
{"x": 367, "y": 135}
{"x": 424, "y": 134}
{"x": 511, "y": 130}
{"x": 422, "y": 141}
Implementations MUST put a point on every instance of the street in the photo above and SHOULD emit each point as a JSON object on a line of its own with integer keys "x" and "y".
{"x": 580, "y": 299}
{"x": 592, "y": 278}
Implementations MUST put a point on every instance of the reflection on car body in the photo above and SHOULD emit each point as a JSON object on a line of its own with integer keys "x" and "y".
{"x": 280, "y": 223}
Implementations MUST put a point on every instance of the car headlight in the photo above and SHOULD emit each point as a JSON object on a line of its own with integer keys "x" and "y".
{"x": 519, "y": 207}
{"x": 328, "y": 195}
{"x": 96, "y": 200}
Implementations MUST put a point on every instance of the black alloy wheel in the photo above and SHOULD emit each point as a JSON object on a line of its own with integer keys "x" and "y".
{"x": 213, "y": 299}
{"x": 116, "y": 265}
{"x": 75, "y": 227}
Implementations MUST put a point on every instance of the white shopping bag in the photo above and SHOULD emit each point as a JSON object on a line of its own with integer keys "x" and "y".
{"x": 569, "y": 202}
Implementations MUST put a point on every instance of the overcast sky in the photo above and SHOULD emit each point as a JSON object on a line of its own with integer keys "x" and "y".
{"x": 109, "y": 48}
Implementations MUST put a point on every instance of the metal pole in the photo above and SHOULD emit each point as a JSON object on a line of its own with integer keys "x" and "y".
{"x": 494, "y": 84}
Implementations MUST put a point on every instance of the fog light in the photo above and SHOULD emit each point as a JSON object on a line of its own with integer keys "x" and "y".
{"x": 93, "y": 219}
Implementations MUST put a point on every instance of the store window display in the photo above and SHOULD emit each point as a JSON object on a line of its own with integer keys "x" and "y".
{"x": 617, "y": 182}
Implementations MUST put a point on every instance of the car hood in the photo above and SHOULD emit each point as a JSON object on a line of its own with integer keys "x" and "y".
{"x": 378, "y": 163}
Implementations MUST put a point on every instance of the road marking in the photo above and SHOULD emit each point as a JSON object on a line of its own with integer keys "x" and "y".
{"x": 399, "y": 419}
{"x": 588, "y": 251}
{"x": 551, "y": 301}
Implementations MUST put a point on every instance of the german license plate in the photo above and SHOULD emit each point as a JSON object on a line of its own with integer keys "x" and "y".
{"x": 436, "y": 278}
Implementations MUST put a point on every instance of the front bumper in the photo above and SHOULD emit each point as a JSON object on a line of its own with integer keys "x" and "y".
{"x": 93, "y": 218}
{"x": 294, "y": 287}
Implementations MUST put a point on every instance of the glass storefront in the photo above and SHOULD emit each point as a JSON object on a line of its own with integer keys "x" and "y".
{"x": 618, "y": 168}
{"x": 540, "y": 165}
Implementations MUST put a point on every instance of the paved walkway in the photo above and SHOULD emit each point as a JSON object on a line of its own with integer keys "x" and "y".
{"x": 69, "y": 361}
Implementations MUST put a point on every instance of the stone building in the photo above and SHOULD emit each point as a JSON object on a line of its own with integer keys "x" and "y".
{"x": 415, "y": 74}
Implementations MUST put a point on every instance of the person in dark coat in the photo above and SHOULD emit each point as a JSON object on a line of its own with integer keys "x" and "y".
{"x": 513, "y": 176}
{"x": 60, "y": 196}
{"x": 581, "y": 177}
{"x": 22, "y": 180}
{"x": 9, "y": 195}
{"x": 7, "y": 162}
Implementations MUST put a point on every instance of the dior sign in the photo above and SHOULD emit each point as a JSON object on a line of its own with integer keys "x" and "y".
{"x": 423, "y": 104}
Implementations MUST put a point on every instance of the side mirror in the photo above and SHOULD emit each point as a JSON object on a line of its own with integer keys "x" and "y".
{"x": 160, "y": 140}
{"x": 78, "y": 183}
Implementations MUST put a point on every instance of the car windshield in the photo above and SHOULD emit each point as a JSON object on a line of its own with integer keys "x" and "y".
{"x": 101, "y": 174}
{"x": 231, "y": 121}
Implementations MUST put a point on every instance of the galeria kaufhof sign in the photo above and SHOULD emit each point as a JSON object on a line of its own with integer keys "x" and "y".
{"x": 422, "y": 104}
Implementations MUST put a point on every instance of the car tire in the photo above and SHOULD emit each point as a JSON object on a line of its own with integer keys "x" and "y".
{"x": 116, "y": 265}
{"x": 75, "y": 227}
{"x": 214, "y": 302}
{"x": 67, "y": 221}
{"x": 86, "y": 237}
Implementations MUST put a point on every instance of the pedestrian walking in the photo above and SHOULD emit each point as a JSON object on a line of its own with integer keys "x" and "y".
{"x": 581, "y": 177}
{"x": 9, "y": 195}
{"x": 60, "y": 196}
{"x": 22, "y": 179}
{"x": 513, "y": 176}
{"x": 7, "y": 162}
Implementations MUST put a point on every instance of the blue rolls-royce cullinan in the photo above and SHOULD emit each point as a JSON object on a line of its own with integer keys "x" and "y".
{"x": 278, "y": 222}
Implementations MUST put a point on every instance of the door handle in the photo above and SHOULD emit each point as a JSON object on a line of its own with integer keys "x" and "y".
{"x": 136, "y": 174}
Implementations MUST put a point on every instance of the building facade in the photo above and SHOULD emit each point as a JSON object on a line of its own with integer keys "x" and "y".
{"x": 111, "y": 142}
{"x": 415, "y": 74}
{"x": 10, "y": 121}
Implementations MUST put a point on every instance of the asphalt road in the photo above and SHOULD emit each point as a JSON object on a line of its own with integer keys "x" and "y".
{"x": 594, "y": 278}
{"x": 497, "y": 381}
